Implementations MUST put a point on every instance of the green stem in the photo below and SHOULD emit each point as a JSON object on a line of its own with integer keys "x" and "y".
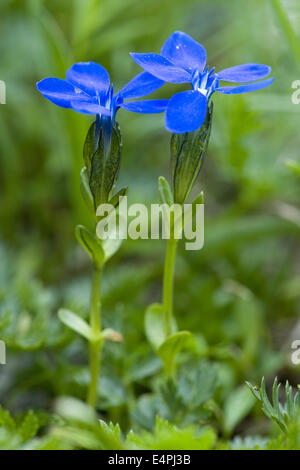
{"x": 95, "y": 345}
{"x": 168, "y": 284}
{"x": 288, "y": 29}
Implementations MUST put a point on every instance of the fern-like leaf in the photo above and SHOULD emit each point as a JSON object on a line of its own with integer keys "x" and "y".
{"x": 281, "y": 414}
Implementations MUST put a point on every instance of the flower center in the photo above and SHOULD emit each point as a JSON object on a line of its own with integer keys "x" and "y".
{"x": 205, "y": 82}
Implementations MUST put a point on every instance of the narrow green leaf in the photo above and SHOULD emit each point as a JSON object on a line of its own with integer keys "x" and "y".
{"x": 117, "y": 198}
{"x": 165, "y": 191}
{"x": 76, "y": 323}
{"x": 199, "y": 199}
{"x": 89, "y": 147}
{"x": 169, "y": 349}
{"x": 85, "y": 189}
{"x": 267, "y": 405}
{"x": 91, "y": 244}
{"x": 110, "y": 247}
{"x": 275, "y": 398}
{"x": 154, "y": 325}
{"x": 254, "y": 391}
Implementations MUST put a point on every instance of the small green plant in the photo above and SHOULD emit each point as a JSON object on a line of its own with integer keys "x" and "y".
{"x": 152, "y": 343}
{"x": 281, "y": 414}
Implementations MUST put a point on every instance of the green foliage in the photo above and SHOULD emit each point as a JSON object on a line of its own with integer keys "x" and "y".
{"x": 284, "y": 414}
{"x": 154, "y": 325}
{"x": 86, "y": 190}
{"x": 18, "y": 433}
{"x": 237, "y": 405}
{"x": 76, "y": 323}
{"x": 239, "y": 296}
{"x": 80, "y": 429}
{"x": 91, "y": 244}
{"x": 171, "y": 346}
{"x": 165, "y": 191}
{"x": 169, "y": 437}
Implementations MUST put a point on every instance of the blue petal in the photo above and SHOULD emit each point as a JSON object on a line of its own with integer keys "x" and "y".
{"x": 235, "y": 90}
{"x": 89, "y": 77}
{"x": 186, "y": 112}
{"x": 146, "y": 106}
{"x": 60, "y": 92}
{"x": 183, "y": 50}
{"x": 86, "y": 107}
{"x": 244, "y": 73}
{"x": 142, "y": 85}
{"x": 161, "y": 68}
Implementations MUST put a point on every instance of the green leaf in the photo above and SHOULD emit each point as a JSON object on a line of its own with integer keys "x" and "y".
{"x": 166, "y": 436}
{"x": 169, "y": 349}
{"x": 117, "y": 198}
{"x": 72, "y": 409}
{"x": 89, "y": 147}
{"x": 199, "y": 199}
{"x": 154, "y": 325}
{"x": 111, "y": 392}
{"x": 110, "y": 436}
{"x": 29, "y": 426}
{"x": 91, "y": 244}
{"x": 110, "y": 247}
{"x": 85, "y": 189}
{"x": 147, "y": 407}
{"x": 76, "y": 323}
{"x": 196, "y": 382}
{"x": 165, "y": 191}
{"x": 237, "y": 406}
{"x": 6, "y": 421}
{"x": 281, "y": 414}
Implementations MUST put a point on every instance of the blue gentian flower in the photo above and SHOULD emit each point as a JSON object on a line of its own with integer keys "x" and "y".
{"x": 183, "y": 60}
{"x": 87, "y": 90}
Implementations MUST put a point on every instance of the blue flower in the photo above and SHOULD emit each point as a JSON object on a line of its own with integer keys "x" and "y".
{"x": 87, "y": 90}
{"x": 183, "y": 60}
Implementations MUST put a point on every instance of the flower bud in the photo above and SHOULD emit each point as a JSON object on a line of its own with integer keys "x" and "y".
{"x": 102, "y": 160}
{"x": 187, "y": 153}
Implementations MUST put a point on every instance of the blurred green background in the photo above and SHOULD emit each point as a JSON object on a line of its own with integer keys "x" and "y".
{"x": 239, "y": 295}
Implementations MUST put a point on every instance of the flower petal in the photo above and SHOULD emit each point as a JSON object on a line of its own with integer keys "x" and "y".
{"x": 142, "y": 85}
{"x": 86, "y": 107}
{"x": 244, "y": 73}
{"x": 60, "y": 92}
{"x": 183, "y": 50}
{"x": 161, "y": 68}
{"x": 186, "y": 112}
{"x": 146, "y": 106}
{"x": 235, "y": 90}
{"x": 89, "y": 77}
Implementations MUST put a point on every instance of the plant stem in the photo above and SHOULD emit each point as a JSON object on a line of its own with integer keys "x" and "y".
{"x": 168, "y": 284}
{"x": 288, "y": 29}
{"x": 95, "y": 345}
